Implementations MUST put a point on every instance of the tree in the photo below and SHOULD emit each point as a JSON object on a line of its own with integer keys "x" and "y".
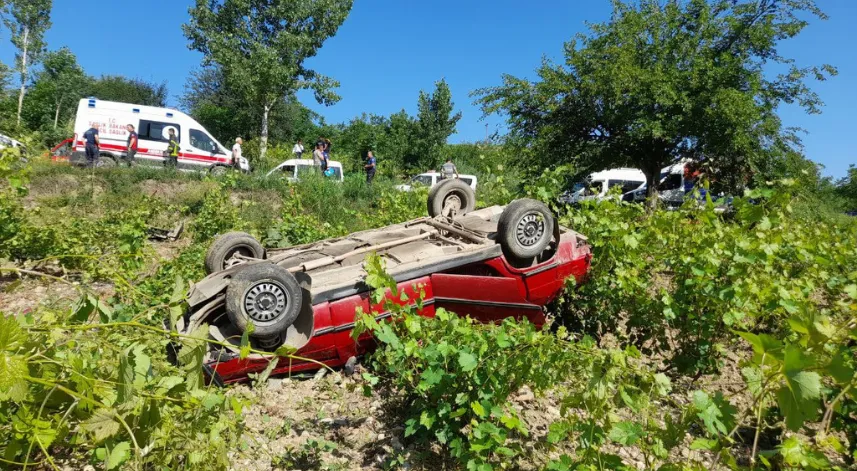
{"x": 666, "y": 80}
{"x": 27, "y": 20}
{"x": 435, "y": 123}
{"x": 261, "y": 46}
{"x": 213, "y": 101}
{"x": 61, "y": 82}
{"x": 125, "y": 90}
{"x": 847, "y": 188}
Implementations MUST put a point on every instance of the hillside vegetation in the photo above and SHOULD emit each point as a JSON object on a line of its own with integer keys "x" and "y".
{"x": 701, "y": 341}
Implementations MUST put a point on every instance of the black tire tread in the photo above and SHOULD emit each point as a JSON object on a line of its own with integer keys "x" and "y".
{"x": 214, "y": 258}
{"x": 247, "y": 276}
{"x": 439, "y": 192}
{"x": 509, "y": 220}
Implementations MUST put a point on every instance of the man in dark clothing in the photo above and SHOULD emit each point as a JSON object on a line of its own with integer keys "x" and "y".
{"x": 132, "y": 145}
{"x": 173, "y": 149}
{"x": 91, "y": 139}
{"x": 370, "y": 167}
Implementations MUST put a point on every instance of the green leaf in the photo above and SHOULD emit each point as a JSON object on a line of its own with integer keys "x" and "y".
{"x": 125, "y": 382}
{"x": 478, "y": 409}
{"x": 13, "y": 366}
{"x": 102, "y": 425}
{"x": 245, "y": 341}
{"x": 763, "y": 344}
{"x": 717, "y": 414}
{"x": 266, "y": 373}
{"x": 626, "y": 433}
{"x": 118, "y": 455}
{"x": 467, "y": 361}
{"x": 798, "y": 399}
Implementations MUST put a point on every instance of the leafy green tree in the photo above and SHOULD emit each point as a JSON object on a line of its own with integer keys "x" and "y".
{"x": 261, "y": 46}
{"x": 125, "y": 90}
{"x": 435, "y": 123}
{"x": 847, "y": 188}
{"x": 666, "y": 80}
{"x": 58, "y": 87}
{"x": 216, "y": 103}
{"x": 27, "y": 20}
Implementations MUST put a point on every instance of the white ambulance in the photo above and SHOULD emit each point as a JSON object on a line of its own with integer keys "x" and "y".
{"x": 197, "y": 149}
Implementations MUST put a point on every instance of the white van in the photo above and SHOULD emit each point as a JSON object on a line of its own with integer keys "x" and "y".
{"x": 197, "y": 149}
{"x": 293, "y": 169}
{"x": 430, "y": 179}
{"x": 597, "y": 185}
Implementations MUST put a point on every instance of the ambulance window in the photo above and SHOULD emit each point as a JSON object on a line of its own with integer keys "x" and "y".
{"x": 203, "y": 141}
{"x": 154, "y": 130}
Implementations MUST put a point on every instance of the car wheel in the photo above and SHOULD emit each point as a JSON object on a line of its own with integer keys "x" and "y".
{"x": 525, "y": 229}
{"x": 105, "y": 162}
{"x": 266, "y": 295}
{"x": 218, "y": 170}
{"x": 227, "y": 250}
{"x": 451, "y": 198}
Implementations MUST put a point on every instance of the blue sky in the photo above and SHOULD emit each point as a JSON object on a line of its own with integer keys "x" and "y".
{"x": 388, "y": 50}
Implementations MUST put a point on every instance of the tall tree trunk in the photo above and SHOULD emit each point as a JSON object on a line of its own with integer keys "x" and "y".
{"x": 57, "y": 116}
{"x": 23, "y": 73}
{"x": 263, "y": 138}
{"x": 653, "y": 174}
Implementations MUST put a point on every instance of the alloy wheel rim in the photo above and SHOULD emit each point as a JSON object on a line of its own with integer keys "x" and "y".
{"x": 265, "y": 301}
{"x": 530, "y": 229}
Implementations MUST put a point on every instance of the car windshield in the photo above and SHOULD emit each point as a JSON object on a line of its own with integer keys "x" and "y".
{"x": 467, "y": 180}
{"x": 626, "y": 185}
{"x": 422, "y": 180}
{"x": 593, "y": 188}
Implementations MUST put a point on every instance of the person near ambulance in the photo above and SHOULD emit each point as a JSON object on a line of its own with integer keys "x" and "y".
{"x": 90, "y": 137}
{"x": 173, "y": 149}
{"x": 132, "y": 145}
{"x": 236, "y": 151}
{"x": 448, "y": 170}
{"x": 370, "y": 167}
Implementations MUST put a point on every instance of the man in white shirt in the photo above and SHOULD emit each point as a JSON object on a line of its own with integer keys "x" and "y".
{"x": 236, "y": 150}
{"x": 298, "y": 149}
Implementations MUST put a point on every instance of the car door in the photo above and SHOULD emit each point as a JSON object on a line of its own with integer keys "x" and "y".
{"x": 153, "y": 139}
{"x": 481, "y": 293}
{"x": 202, "y": 150}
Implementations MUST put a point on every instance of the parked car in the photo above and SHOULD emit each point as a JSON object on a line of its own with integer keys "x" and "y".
{"x": 293, "y": 169}
{"x": 490, "y": 264}
{"x": 430, "y": 179}
{"x": 198, "y": 150}
{"x": 598, "y": 185}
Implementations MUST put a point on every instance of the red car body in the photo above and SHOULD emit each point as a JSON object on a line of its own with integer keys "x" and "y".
{"x": 488, "y": 290}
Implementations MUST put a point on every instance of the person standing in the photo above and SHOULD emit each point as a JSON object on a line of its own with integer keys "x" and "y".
{"x": 448, "y": 170}
{"x": 173, "y": 149}
{"x": 298, "y": 149}
{"x": 132, "y": 145}
{"x": 370, "y": 167}
{"x": 92, "y": 142}
{"x": 326, "y": 153}
{"x": 318, "y": 155}
{"x": 236, "y": 151}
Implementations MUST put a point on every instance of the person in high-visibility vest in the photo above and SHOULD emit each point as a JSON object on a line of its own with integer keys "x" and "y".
{"x": 173, "y": 149}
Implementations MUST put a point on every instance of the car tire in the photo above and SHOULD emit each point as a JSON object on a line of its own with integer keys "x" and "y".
{"x": 525, "y": 229}
{"x": 451, "y": 198}
{"x": 227, "y": 246}
{"x": 218, "y": 170}
{"x": 266, "y": 295}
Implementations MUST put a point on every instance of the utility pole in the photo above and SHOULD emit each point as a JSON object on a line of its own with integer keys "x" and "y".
{"x": 486, "y": 133}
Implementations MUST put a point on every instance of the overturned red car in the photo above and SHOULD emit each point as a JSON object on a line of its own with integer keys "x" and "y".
{"x": 489, "y": 264}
